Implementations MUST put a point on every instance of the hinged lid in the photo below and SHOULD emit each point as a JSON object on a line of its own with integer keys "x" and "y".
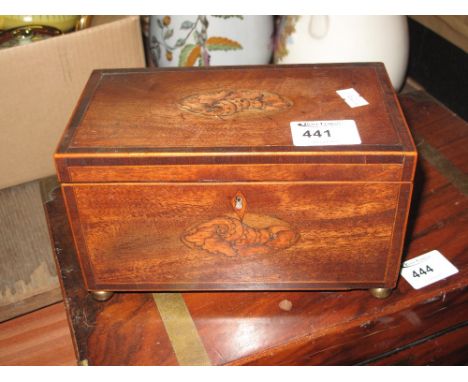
{"x": 231, "y": 115}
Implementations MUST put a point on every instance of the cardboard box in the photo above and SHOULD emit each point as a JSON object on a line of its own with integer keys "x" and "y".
{"x": 41, "y": 83}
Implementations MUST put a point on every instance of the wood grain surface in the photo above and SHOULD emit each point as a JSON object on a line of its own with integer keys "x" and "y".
{"x": 151, "y": 160}
{"x": 236, "y": 172}
{"x": 187, "y": 236}
{"x": 414, "y": 327}
{"x": 41, "y": 338}
{"x": 445, "y": 348}
{"x": 114, "y": 103}
{"x": 426, "y": 326}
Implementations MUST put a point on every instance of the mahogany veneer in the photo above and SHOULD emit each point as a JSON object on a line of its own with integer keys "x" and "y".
{"x": 189, "y": 180}
{"x": 415, "y": 327}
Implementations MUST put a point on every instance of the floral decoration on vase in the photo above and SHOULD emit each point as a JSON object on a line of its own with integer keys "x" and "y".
{"x": 195, "y": 45}
{"x": 287, "y": 27}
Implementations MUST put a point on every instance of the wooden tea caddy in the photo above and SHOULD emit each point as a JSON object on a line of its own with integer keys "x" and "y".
{"x": 189, "y": 180}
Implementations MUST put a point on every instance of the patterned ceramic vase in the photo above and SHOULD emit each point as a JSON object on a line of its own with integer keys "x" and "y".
{"x": 326, "y": 39}
{"x": 211, "y": 40}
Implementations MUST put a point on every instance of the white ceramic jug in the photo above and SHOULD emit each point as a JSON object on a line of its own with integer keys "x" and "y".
{"x": 211, "y": 40}
{"x": 326, "y": 39}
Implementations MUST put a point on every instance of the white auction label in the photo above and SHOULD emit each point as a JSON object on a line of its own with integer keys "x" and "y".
{"x": 325, "y": 133}
{"x": 427, "y": 269}
{"x": 352, "y": 97}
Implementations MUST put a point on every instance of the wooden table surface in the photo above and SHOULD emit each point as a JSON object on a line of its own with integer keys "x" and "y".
{"x": 426, "y": 326}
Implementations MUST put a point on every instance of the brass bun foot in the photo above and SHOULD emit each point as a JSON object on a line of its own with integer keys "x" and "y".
{"x": 101, "y": 295}
{"x": 380, "y": 292}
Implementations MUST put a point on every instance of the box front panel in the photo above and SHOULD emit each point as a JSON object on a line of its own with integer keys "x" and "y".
{"x": 221, "y": 236}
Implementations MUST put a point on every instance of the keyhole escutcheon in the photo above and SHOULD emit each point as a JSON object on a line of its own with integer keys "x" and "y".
{"x": 239, "y": 204}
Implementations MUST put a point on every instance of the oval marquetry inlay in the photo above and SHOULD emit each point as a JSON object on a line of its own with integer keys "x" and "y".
{"x": 235, "y": 102}
{"x": 230, "y": 236}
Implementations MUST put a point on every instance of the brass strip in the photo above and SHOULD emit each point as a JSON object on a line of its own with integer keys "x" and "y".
{"x": 457, "y": 177}
{"x": 180, "y": 328}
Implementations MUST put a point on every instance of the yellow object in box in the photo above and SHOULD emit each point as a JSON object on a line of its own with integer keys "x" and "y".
{"x": 64, "y": 23}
